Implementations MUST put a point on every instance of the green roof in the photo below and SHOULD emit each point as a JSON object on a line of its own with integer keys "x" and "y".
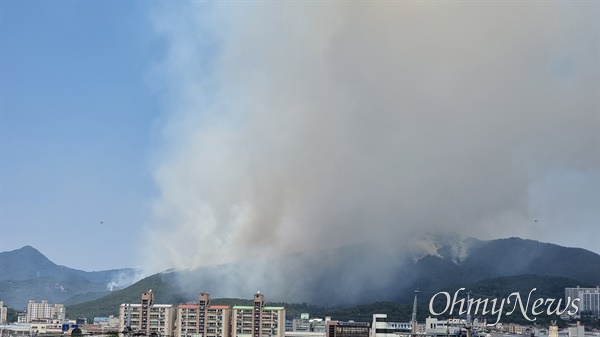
{"x": 273, "y": 308}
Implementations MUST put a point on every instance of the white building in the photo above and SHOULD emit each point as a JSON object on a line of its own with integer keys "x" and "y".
{"x": 380, "y": 327}
{"x": 45, "y": 328}
{"x": 107, "y": 322}
{"x": 307, "y": 324}
{"x": 433, "y": 327}
{"x": 15, "y": 330}
{"x": 257, "y": 320}
{"x": 589, "y": 300}
{"x": 577, "y": 331}
{"x": 44, "y": 312}
{"x": 147, "y": 318}
{"x": 3, "y": 312}
{"x": 203, "y": 319}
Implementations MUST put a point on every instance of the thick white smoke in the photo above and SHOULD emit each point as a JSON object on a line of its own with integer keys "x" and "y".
{"x": 302, "y": 126}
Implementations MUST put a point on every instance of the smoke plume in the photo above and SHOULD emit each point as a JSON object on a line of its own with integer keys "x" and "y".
{"x": 300, "y": 127}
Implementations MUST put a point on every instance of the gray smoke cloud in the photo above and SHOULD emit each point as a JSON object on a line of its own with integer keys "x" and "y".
{"x": 303, "y": 126}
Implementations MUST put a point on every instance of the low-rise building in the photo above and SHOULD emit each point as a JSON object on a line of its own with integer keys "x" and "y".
{"x": 306, "y": 324}
{"x": 553, "y": 330}
{"x": 516, "y": 329}
{"x": 304, "y": 334}
{"x": 435, "y": 327}
{"x": 45, "y": 328}
{"x": 380, "y": 327}
{"x": 14, "y": 330}
{"x": 348, "y": 329}
{"x": 576, "y": 331}
{"x": 107, "y": 322}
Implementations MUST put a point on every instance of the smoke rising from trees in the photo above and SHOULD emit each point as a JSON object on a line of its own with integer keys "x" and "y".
{"x": 301, "y": 127}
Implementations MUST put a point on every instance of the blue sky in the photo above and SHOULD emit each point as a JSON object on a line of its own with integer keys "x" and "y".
{"x": 173, "y": 133}
{"x": 78, "y": 120}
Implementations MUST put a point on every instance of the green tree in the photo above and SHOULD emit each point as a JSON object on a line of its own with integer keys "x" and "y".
{"x": 11, "y": 315}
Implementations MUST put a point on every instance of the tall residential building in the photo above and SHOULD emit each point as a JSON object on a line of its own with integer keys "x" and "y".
{"x": 147, "y": 317}
{"x": 3, "y": 312}
{"x": 44, "y": 312}
{"x": 203, "y": 319}
{"x": 589, "y": 300}
{"x": 257, "y": 320}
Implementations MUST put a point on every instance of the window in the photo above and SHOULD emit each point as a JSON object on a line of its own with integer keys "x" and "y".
{"x": 384, "y": 331}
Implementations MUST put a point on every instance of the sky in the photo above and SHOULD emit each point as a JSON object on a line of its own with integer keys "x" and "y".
{"x": 183, "y": 134}
{"x": 79, "y": 121}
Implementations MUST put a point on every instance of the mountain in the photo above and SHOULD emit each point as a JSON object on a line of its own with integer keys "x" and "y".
{"x": 26, "y": 274}
{"x": 506, "y": 257}
{"x": 329, "y": 278}
{"x": 342, "y": 278}
{"x": 161, "y": 285}
{"x": 364, "y": 273}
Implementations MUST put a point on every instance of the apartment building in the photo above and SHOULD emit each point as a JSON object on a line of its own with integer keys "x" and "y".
{"x": 3, "y": 312}
{"x": 257, "y": 320}
{"x": 589, "y": 300}
{"x": 147, "y": 318}
{"x": 203, "y": 319}
{"x": 44, "y": 312}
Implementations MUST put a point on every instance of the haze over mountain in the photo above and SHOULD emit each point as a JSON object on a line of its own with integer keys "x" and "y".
{"x": 26, "y": 274}
{"x": 344, "y": 277}
{"x": 363, "y": 273}
{"x": 337, "y": 276}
